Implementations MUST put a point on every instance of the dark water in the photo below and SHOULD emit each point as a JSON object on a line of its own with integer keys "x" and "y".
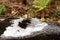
{"x": 40, "y": 37}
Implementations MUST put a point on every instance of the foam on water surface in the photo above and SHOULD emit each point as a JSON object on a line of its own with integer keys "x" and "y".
{"x": 15, "y": 31}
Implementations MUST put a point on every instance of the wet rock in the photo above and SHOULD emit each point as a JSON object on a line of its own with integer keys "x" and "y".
{"x": 24, "y": 23}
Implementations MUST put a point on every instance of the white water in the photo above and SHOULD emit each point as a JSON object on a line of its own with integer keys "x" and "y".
{"x": 15, "y": 31}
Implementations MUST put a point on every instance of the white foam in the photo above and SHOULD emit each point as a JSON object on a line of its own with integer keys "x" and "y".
{"x": 15, "y": 31}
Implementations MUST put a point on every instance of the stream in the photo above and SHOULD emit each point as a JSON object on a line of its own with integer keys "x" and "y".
{"x": 32, "y": 30}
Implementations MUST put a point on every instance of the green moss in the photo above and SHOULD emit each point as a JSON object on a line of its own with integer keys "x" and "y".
{"x": 2, "y": 9}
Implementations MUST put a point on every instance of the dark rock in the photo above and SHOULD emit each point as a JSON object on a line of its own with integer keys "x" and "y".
{"x": 24, "y": 23}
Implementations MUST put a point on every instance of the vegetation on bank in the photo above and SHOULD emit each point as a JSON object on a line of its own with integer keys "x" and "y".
{"x": 45, "y": 10}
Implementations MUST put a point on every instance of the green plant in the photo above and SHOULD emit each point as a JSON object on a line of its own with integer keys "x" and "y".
{"x": 40, "y": 4}
{"x": 2, "y": 9}
{"x": 56, "y": 14}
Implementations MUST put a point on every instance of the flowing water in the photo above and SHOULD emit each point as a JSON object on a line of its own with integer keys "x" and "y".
{"x": 34, "y": 28}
